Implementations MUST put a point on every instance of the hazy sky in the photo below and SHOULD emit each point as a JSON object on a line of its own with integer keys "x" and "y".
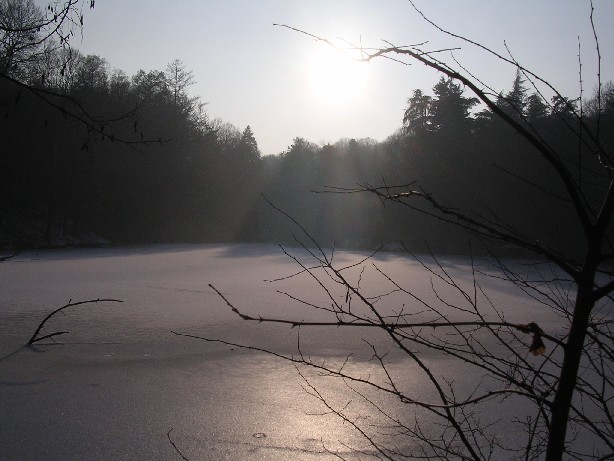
{"x": 284, "y": 84}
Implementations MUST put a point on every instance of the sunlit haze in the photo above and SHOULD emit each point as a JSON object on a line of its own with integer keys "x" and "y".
{"x": 285, "y": 84}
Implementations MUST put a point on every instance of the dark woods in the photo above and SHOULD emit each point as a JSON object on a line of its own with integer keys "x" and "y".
{"x": 148, "y": 164}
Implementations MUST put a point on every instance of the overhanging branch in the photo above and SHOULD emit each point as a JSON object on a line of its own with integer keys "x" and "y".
{"x": 531, "y": 328}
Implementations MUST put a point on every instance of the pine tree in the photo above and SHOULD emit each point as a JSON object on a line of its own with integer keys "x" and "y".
{"x": 417, "y": 115}
{"x": 450, "y": 109}
{"x": 247, "y": 150}
{"x": 515, "y": 101}
{"x": 536, "y": 109}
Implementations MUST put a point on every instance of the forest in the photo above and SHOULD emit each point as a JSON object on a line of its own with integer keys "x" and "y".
{"x": 95, "y": 156}
{"x": 521, "y": 178}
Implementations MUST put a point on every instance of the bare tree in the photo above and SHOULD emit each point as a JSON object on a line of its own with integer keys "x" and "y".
{"x": 30, "y": 37}
{"x": 25, "y": 30}
{"x": 558, "y": 381}
{"x": 180, "y": 79}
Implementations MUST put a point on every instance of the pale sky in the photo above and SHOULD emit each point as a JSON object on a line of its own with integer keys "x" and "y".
{"x": 284, "y": 84}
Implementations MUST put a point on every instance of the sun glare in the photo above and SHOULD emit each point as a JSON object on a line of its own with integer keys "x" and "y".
{"x": 336, "y": 77}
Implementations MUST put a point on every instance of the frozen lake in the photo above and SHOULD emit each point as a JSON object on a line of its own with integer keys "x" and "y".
{"x": 114, "y": 386}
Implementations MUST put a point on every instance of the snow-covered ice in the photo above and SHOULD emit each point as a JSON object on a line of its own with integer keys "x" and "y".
{"x": 114, "y": 386}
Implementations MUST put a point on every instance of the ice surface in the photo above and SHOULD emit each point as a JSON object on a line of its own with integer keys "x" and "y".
{"x": 114, "y": 386}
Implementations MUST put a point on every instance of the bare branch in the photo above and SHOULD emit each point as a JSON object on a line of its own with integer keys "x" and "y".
{"x": 168, "y": 435}
{"x": 36, "y": 338}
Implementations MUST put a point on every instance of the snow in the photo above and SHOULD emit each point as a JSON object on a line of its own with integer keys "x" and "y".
{"x": 115, "y": 385}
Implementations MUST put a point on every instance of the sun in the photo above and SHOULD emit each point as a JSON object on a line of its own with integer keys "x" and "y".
{"x": 336, "y": 77}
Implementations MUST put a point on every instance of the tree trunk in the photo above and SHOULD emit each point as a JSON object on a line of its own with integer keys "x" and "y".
{"x": 569, "y": 370}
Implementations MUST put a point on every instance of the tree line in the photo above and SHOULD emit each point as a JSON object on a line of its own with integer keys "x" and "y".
{"x": 149, "y": 164}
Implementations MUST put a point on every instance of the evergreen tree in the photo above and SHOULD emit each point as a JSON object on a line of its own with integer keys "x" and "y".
{"x": 536, "y": 109}
{"x": 247, "y": 150}
{"x": 450, "y": 109}
{"x": 515, "y": 101}
{"x": 563, "y": 106}
{"x": 300, "y": 150}
{"x": 416, "y": 118}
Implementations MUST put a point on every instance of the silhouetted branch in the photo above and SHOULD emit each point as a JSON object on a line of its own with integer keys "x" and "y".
{"x": 459, "y": 219}
{"x": 531, "y": 327}
{"x": 168, "y": 435}
{"x": 36, "y": 338}
{"x": 6, "y": 258}
{"x": 58, "y": 14}
{"x": 598, "y": 70}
